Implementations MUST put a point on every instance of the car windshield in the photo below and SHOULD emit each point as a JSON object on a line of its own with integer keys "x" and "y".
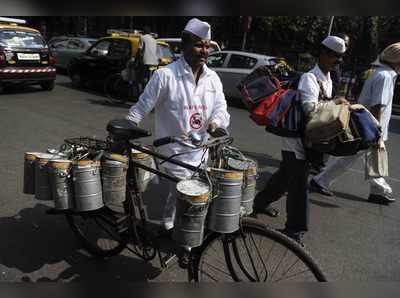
{"x": 21, "y": 39}
{"x": 163, "y": 52}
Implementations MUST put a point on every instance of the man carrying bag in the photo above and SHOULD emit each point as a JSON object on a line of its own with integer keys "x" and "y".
{"x": 377, "y": 96}
{"x": 292, "y": 175}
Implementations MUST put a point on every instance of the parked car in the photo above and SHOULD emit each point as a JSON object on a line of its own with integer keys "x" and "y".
{"x": 65, "y": 50}
{"x": 110, "y": 55}
{"x": 233, "y": 66}
{"x": 57, "y": 39}
{"x": 175, "y": 45}
{"x": 24, "y": 56}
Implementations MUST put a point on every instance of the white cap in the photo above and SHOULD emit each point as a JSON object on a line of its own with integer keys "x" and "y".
{"x": 335, "y": 43}
{"x": 199, "y": 28}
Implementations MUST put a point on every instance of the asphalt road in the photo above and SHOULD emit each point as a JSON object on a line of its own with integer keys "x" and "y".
{"x": 350, "y": 238}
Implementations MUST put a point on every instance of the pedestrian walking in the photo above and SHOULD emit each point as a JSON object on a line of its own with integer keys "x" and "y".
{"x": 318, "y": 164}
{"x": 292, "y": 175}
{"x": 377, "y": 96}
{"x": 147, "y": 56}
{"x": 187, "y": 97}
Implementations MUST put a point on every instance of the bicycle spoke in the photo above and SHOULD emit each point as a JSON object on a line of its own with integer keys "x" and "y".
{"x": 276, "y": 268}
{"x": 216, "y": 269}
{"x": 297, "y": 274}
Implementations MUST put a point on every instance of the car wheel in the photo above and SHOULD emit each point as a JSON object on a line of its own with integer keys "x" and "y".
{"x": 47, "y": 85}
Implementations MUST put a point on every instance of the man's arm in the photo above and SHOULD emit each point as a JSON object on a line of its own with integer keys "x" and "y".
{"x": 149, "y": 98}
{"x": 219, "y": 116}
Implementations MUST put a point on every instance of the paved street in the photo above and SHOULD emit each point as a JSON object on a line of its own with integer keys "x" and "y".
{"x": 350, "y": 238}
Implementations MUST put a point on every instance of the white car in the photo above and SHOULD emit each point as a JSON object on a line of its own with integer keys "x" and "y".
{"x": 233, "y": 66}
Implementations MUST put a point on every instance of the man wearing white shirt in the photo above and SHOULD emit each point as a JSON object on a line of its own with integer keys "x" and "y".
{"x": 292, "y": 175}
{"x": 187, "y": 97}
{"x": 377, "y": 96}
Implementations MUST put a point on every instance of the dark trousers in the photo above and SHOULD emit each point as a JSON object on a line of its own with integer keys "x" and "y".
{"x": 292, "y": 176}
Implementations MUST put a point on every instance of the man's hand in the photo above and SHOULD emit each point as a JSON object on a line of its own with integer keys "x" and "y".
{"x": 216, "y": 131}
{"x": 340, "y": 100}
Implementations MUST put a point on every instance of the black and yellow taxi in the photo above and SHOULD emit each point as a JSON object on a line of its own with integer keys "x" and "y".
{"x": 110, "y": 55}
{"x": 24, "y": 56}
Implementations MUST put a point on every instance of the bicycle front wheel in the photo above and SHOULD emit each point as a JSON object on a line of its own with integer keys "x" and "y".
{"x": 255, "y": 253}
{"x": 98, "y": 232}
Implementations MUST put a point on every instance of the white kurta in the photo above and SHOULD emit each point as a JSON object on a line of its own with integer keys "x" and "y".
{"x": 181, "y": 106}
{"x": 150, "y": 49}
{"x": 309, "y": 92}
{"x": 378, "y": 89}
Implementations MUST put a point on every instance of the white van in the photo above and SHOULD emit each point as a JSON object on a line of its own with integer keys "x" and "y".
{"x": 175, "y": 45}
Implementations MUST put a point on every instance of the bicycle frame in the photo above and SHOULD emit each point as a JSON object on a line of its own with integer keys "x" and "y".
{"x": 134, "y": 197}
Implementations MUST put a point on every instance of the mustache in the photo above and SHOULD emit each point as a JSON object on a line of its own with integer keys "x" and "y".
{"x": 202, "y": 55}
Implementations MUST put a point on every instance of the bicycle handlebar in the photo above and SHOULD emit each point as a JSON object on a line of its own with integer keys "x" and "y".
{"x": 163, "y": 141}
{"x": 187, "y": 141}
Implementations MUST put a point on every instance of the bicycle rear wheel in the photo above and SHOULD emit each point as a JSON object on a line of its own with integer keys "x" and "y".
{"x": 98, "y": 232}
{"x": 255, "y": 253}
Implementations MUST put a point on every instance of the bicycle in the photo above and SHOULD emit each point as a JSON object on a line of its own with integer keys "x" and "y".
{"x": 237, "y": 256}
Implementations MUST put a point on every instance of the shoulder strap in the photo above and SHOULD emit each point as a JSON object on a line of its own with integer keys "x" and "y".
{"x": 322, "y": 93}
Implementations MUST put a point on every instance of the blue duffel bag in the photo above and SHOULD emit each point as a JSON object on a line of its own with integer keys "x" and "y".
{"x": 369, "y": 129}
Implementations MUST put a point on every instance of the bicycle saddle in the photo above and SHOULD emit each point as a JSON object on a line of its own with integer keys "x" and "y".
{"x": 125, "y": 129}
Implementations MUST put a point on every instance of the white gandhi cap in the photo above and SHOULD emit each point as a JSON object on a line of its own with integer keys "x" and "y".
{"x": 199, "y": 28}
{"x": 335, "y": 43}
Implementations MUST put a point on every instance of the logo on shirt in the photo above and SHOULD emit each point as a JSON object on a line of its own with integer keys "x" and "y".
{"x": 196, "y": 121}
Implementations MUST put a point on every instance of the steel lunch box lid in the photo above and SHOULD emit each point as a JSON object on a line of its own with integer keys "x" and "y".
{"x": 196, "y": 189}
{"x": 43, "y": 158}
{"x": 136, "y": 154}
{"x": 32, "y": 155}
{"x": 86, "y": 163}
{"x": 227, "y": 174}
{"x": 116, "y": 157}
{"x": 60, "y": 163}
{"x": 249, "y": 165}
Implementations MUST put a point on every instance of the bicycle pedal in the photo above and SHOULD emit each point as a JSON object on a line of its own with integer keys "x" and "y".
{"x": 168, "y": 258}
{"x": 121, "y": 219}
{"x": 122, "y": 229}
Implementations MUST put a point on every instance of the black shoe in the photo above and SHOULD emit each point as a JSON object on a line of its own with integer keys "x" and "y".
{"x": 269, "y": 210}
{"x": 296, "y": 236}
{"x": 381, "y": 199}
{"x": 183, "y": 258}
{"x": 315, "y": 187}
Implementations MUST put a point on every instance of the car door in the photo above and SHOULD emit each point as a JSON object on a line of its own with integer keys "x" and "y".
{"x": 91, "y": 63}
{"x": 236, "y": 68}
{"x": 74, "y": 48}
{"x": 58, "y": 49}
{"x": 118, "y": 56}
{"x": 216, "y": 62}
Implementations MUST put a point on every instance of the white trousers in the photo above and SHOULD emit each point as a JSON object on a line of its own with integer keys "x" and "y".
{"x": 170, "y": 202}
{"x": 337, "y": 165}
